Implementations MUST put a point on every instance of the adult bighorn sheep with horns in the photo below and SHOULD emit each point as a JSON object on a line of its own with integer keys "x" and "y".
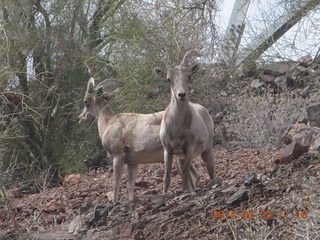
{"x": 187, "y": 128}
{"x": 129, "y": 138}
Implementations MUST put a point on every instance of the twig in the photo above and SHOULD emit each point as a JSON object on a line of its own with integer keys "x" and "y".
{"x": 316, "y": 56}
{"x": 234, "y": 234}
{"x": 272, "y": 231}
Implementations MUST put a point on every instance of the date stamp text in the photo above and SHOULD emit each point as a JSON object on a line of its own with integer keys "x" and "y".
{"x": 264, "y": 215}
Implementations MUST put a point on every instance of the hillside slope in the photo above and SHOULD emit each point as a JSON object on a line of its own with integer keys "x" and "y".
{"x": 258, "y": 200}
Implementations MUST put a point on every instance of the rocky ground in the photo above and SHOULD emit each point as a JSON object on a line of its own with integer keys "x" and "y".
{"x": 252, "y": 199}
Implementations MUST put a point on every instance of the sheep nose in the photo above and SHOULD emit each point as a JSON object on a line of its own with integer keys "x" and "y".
{"x": 182, "y": 95}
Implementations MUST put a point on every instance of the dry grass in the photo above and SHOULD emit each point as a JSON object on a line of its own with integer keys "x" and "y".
{"x": 260, "y": 121}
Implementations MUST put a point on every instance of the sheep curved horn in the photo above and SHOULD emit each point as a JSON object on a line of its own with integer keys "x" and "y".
{"x": 109, "y": 83}
{"x": 187, "y": 56}
{"x": 90, "y": 86}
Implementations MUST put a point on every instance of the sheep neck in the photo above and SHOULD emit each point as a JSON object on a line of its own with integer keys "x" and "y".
{"x": 104, "y": 115}
{"x": 180, "y": 112}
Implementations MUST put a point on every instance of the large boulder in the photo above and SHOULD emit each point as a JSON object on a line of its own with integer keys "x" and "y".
{"x": 300, "y": 139}
{"x": 314, "y": 115}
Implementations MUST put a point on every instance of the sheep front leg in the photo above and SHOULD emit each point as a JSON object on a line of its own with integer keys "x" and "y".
{"x": 132, "y": 173}
{"x": 195, "y": 178}
{"x": 187, "y": 183}
{"x": 207, "y": 157}
{"x": 118, "y": 162}
{"x": 168, "y": 158}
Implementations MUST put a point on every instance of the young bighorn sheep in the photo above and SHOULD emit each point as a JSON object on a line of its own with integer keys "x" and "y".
{"x": 129, "y": 138}
{"x": 187, "y": 128}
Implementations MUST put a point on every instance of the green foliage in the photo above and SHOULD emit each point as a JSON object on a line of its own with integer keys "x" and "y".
{"x": 51, "y": 48}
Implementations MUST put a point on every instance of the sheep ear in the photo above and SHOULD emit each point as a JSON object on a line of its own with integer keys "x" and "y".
{"x": 159, "y": 72}
{"x": 90, "y": 87}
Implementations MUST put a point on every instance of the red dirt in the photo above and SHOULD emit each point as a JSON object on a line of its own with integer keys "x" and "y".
{"x": 53, "y": 207}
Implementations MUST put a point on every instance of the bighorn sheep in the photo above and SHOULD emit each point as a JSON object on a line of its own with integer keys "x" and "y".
{"x": 129, "y": 138}
{"x": 187, "y": 128}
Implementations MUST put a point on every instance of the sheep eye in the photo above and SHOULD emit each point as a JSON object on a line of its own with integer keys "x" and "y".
{"x": 168, "y": 80}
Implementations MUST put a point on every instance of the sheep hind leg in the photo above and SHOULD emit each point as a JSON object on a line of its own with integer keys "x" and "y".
{"x": 132, "y": 174}
{"x": 118, "y": 162}
{"x": 168, "y": 158}
{"x": 186, "y": 169}
{"x": 194, "y": 176}
{"x": 208, "y": 159}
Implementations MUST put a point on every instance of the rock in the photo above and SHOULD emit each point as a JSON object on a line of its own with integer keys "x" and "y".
{"x": 303, "y": 120}
{"x": 286, "y": 138}
{"x": 101, "y": 212}
{"x": 305, "y": 61}
{"x": 110, "y": 195}
{"x": 52, "y": 234}
{"x": 302, "y": 69}
{"x": 256, "y": 84}
{"x": 314, "y": 115}
{"x": 262, "y": 177}
{"x": 292, "y": 152}
{"x": 89, "y": 218}
{"x": 284, "y": 158}
{"x": 223, "y": 93}
{"x": 296, "y": 71}
{"x": 84, "y": 209}
{"x": 72, "y": 179}
{"x": 159, "y": 201}
{"x": 239, "y": 196}
{"x": 297, "y": 131}
{"x": 272, "y": 72}
{"x": 299, "y": 71}
{"x": 284, "y": 82}
{"x": 251, "y": 179}
{"x": 214, "y": 183}
{"x": 315, "y": 146}
{"x": 267, "y": 78}
{"x": 75, "y": 225}
{"x": 282, "y": 67}
{"x": 301, "y": 137}
{"x": 232, "y": 189}
{"x": 305, "y": 139}
{"x": 277, "y": 69}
